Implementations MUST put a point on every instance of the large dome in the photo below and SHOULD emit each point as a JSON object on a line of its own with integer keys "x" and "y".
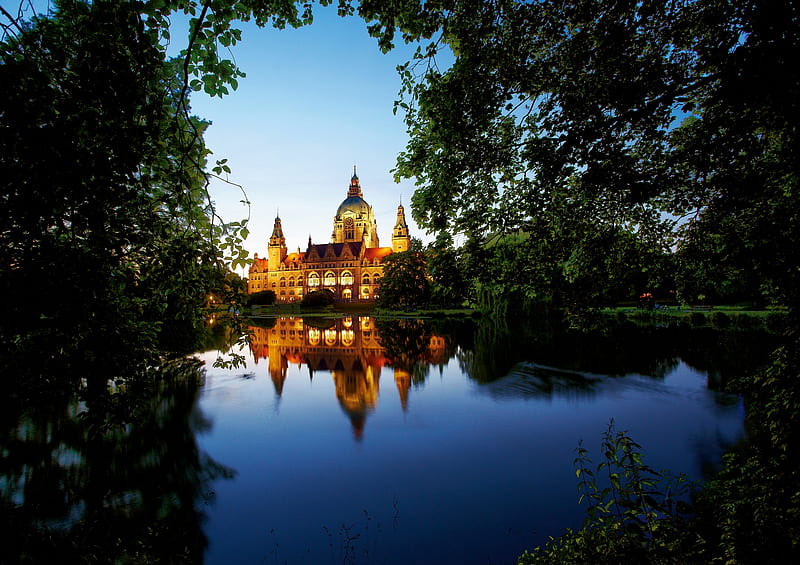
{"x": 354, "y": 204}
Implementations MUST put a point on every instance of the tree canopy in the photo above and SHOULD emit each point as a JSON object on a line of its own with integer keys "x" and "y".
{"x": 665, "y": 119}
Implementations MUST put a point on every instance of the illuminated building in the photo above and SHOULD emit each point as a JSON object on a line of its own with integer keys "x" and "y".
{"x": 350, "y": 266}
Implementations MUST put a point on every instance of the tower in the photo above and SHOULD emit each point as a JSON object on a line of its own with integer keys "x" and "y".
{"x": 401, "y": 241}
{"x": 276, "y": 250}
{"x": 354, "y": 220}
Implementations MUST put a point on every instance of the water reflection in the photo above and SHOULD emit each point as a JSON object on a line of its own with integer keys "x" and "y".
{"x": 111, "y": 474}
{"x": 354, "y": 350}
{"x": 477, "y": 430}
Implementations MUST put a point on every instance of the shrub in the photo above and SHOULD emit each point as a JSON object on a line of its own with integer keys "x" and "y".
{"x": 697, "y": 319}
{"x": 263, "y": 298}
{"x": 720, "y": 320}
{"x": 318, "y": 298}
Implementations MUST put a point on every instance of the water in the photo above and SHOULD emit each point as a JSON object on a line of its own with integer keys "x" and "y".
{"x": 353, "y": 440}
{"x": 345, "y": 455}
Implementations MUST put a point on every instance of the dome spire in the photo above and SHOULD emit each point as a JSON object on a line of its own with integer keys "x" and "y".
{"x": 355, "y": 186}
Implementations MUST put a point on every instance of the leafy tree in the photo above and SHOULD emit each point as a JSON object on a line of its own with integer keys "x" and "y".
{"x": 625, "y": 109}
{"x": 448, "y": 284}
{"x": 405, "y": 282}
{"x": 104, "y": 179}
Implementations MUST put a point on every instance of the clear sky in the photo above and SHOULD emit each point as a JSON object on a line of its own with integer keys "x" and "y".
{"x": 316, "y": 101}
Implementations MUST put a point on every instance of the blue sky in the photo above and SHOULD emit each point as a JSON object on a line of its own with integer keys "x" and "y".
{"x": 316, "y": 101}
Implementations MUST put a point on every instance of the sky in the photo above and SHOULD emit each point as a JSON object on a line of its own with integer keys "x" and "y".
{"x": 316, "y": 101}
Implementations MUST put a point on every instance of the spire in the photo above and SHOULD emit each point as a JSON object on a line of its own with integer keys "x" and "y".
{"x": 401, "y": 240}
{"x": 355, "y": 186}
{"x": 277, "y": 229}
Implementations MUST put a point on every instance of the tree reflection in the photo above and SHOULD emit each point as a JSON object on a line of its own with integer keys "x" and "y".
{"x": 112, "y": 475}
{"x": 620, "y": 349}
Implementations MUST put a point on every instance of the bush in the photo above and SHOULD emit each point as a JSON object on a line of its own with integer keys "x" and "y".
{"x": 263, "y": 298}
{"x": 318, "y": 298}
{"x": 697, "y": 319}
{"x": 746, "y": 322}
{"x": 720, "y": 320}
{"x": 776, "y": 323}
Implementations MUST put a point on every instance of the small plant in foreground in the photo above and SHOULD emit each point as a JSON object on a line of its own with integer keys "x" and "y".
{"x": 634, "y": 514}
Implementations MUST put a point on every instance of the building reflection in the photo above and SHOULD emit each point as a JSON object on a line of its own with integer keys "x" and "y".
{"x": 348, "y": 348}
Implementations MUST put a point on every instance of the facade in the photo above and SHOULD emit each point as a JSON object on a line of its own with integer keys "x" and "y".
{"x": 350, "y": 266}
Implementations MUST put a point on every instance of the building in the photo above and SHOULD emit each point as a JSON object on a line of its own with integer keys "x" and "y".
{"x": 350, "y": 266}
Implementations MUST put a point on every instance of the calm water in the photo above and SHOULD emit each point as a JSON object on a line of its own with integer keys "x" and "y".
{"x": 346, "y": 452}
{"x": 357, "y": 441}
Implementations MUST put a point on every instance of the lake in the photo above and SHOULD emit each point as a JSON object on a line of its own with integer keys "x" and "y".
{"x": 358, "y": 440}
{"x": 347, "y": 452}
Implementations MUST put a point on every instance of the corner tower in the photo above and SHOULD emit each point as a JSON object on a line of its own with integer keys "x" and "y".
{"x": 401, "y": 241}
{"x": 276, "y": 250}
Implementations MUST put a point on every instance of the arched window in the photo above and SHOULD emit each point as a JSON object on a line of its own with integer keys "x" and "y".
{"x": 330, "y": 279}
{"x": 365, "y": 279}
{"x": 273, "y": 284}
{"x": 376, "y": 279}
{"x": 347, "y": 277}
{"x": 330, "y": 337}
{"x": 348, "y": 337}
{"x": 347, "y": 294}
{"x": 313, "y": 279}
{"x": 349, "y": 232}
{"x": 291, "y": 281}
{"x": 283, "y": 281}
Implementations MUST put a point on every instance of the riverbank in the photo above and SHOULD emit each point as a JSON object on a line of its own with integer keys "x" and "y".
{"x": 344, "y": 309}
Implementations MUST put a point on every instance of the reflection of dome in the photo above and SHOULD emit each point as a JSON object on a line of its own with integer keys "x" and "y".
{"x": 354, "y": 204}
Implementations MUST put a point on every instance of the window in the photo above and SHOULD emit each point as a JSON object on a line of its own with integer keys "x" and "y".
{"x": 283, "y": 281}
{"x": 330, "y": 279}
{"x": 365, "y": 279}
{"x": 313, "y": 279}
{"x": 349, "y": 232}
{"x": 347, "y": 277}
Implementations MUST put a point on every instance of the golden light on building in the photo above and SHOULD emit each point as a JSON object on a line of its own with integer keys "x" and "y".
{"x": 350, "y": 266}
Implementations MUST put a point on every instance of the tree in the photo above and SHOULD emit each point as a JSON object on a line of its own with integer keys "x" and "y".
{"x": 448, "y": 285}
{"x": 404, "y": 283}
{"x": 104, "y": 180}
{"x": 628, "y": 109}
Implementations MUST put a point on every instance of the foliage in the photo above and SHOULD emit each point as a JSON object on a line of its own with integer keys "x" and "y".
{"x": 318, "y": 298}
{"x": 444, "y": 265}
{"x": 753, "y": 503}
{"x": 597, "y": 117}
{"x": 634, "y": 514}
{"x": 265, "y": 297}
{"x": 70, "y": 493}
{"x": 104, "y": 179}
{"x": 404, "y": 283}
